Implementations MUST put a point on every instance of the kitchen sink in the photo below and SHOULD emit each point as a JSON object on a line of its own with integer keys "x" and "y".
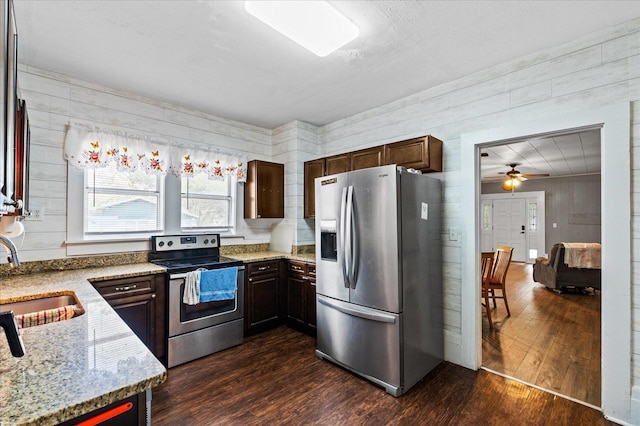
{"x": 42, "y": 302}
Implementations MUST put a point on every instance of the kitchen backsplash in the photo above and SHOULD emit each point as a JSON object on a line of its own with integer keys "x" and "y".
{"x": 126, "y": 258}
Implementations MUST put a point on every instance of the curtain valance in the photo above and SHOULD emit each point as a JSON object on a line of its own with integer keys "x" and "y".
{"x": 91, "y": 147}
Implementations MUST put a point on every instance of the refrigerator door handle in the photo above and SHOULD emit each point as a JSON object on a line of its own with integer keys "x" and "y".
{"x": 358, "y": 311}
{"x": 353, "y": 238}
{"x": 342, "y": 236}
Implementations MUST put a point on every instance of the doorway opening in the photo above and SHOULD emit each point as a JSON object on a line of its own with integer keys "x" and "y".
{"x": 548, "y": 339}
{"x": 614, "y": 124}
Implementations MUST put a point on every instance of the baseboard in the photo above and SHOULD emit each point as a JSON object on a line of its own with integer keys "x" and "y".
{"x": 453, "y": 348}
{"x": 635, "y": 407}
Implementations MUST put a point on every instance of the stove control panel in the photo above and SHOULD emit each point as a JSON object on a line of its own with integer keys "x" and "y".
{"x": 184, "y": 242}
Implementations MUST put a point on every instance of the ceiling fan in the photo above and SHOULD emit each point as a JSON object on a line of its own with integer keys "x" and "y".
{"x": 513, "y": 177}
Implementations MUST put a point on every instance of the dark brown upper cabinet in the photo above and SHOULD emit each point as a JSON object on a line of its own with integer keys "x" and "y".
{"x": 264, "y": 190}
{"x": 337, "y": 164}
{"x": 312, "y": 169}
{"x": 424, "y": 154}
{"x": 365, "y": 158}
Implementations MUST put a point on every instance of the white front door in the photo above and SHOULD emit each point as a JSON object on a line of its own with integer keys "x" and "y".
{"x": 503, "y": 217}
{"x": 509, "y": 224}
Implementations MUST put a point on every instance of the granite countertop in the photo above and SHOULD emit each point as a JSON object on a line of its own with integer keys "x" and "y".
{"x": 271, "y": 255}
{"x": 73, "y": 367}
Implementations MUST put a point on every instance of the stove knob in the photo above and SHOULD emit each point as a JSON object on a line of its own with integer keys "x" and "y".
{"x": 206, "y": 242}
{"x": 170, "y": 243}
{"x": 161, "y": 243}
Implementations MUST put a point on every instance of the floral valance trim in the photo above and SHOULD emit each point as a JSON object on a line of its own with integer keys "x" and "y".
{"x": 90, "y": 147}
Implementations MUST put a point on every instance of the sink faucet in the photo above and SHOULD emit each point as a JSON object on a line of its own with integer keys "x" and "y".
{"x": 8, "y": 322}
{"x": 11, "y": 248}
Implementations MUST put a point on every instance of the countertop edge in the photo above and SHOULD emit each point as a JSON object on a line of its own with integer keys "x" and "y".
{"x": 57, "y": 371}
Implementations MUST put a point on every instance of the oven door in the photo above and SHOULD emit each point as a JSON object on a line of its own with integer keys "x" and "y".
{"x": 184, "y": 318}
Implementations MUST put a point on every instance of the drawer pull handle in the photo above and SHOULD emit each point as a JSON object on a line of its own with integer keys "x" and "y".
{"x": 127, "y": 287}
{"x": 264, "y": 268}
{"x": 297, "y": 268}
{"x": 305, "y": 278}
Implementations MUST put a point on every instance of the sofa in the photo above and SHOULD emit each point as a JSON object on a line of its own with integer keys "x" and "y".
{"x": 555, "y": 274}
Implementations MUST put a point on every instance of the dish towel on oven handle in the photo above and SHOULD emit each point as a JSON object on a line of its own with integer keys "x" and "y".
{"x": 191, "y": 294}
{"x": 218, "y": 284}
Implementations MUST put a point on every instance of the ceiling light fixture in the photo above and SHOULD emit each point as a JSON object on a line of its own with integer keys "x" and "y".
{"x": 511, "y": 184}
{"x": 315, "y": 25}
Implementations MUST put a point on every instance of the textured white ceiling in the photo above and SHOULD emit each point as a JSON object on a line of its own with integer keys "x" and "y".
{"x": 214, "y": 57}
{"x": 565, "y": 155}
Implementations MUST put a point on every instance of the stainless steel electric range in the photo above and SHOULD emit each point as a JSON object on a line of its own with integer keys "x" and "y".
{"x": 204, "y": 328}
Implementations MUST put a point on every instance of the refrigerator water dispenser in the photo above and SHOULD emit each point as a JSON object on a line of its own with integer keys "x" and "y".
{"x": 328, "y": 240}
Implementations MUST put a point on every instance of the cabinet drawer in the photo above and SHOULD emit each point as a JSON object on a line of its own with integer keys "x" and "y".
{"x": 311, "y": 268}
{"x": 297, "y": 267}
{"x": 262, "y": 268}
{"x": 125, "y": 287}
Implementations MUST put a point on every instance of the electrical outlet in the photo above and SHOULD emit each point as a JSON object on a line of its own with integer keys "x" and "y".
{"x": 34, "y": 216}
{"x": 453, "y": 234}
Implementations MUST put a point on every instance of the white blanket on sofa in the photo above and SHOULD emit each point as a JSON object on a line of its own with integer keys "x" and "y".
{"x": 583, "y": 255}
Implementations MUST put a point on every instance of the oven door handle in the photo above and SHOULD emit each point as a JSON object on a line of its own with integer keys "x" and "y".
{"x": 184, "y": 275}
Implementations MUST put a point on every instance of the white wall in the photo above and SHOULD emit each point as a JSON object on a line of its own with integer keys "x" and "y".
{"x": 293, "y": 144}
{"x": 53, "y": 100}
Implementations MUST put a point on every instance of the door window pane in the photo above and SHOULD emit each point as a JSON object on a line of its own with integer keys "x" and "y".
{"x": 533, "y": 216}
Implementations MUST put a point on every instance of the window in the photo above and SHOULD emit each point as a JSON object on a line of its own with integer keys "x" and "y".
{"x": 119, "y": 202}
{"x": 533, "y": 216}
{"x": 207, "y": 203}
{"x": 486, "y": 217}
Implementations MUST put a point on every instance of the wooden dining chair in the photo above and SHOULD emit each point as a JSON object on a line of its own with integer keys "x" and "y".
{"x": 495, "y": 279}
{"x": 486, "y": 272}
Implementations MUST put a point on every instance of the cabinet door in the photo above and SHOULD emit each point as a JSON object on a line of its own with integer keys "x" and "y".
{"x": 139, "y": 313}
{"x": 423, "y": 153}
{"x": 311, "y": 295}
{"x": 296, "y": 302}
{"x": 337, "y": 164}
{"x": 311, "y": 303}
{"x": 263, "y": 300}
{"x": 140, "y": 302}
{"x": 365, "y": 158}
{"x": 262, "y": 306}
{"x": 264, "y": 190}
{"x": 312, "y": 170}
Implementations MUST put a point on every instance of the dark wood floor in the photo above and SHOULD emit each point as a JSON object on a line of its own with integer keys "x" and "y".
{"x": 274, "y": 378}
{"x": 550, "y": 340}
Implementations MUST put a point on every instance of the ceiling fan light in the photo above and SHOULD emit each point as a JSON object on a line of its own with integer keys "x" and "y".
{"x": 510, "y": 184}
{"x": 315, "y": 25}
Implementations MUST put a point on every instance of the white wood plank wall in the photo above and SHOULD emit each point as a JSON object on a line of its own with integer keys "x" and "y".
{"x": 53, "y": 100}
{"x": 293, "y": 144}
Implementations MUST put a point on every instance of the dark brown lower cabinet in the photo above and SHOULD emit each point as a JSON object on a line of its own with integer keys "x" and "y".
{"x": 262, "y": 296}
{"x": 140, "y": 302}
{"x": 301, "y": 296}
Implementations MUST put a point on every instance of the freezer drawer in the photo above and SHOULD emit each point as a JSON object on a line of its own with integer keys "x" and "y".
{"x": 365, "y": 341}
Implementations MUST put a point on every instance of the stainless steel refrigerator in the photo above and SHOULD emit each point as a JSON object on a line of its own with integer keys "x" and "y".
{"x": 379, "y": 274}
